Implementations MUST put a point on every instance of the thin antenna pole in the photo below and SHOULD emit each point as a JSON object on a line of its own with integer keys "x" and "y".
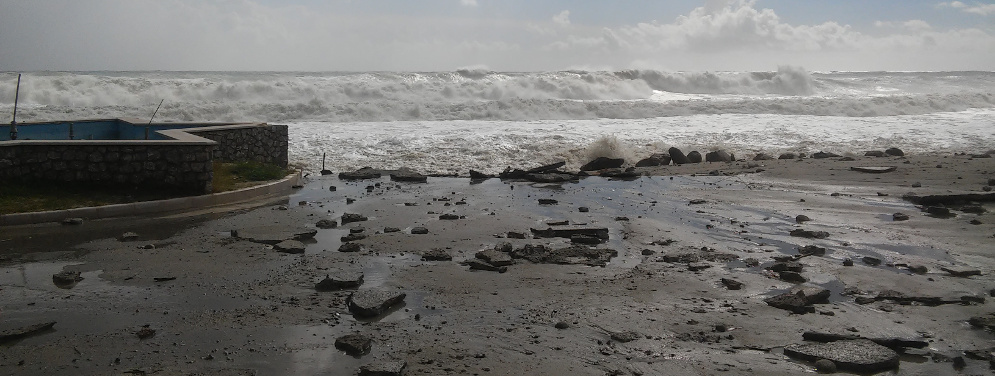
{"x": 153, "y": 117}
{"x": 13, "y": 121}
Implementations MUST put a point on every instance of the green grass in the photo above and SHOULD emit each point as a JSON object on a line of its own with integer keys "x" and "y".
{"x": 24, "y": 197}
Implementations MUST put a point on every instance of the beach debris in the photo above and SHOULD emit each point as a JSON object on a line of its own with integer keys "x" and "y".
{"x": 273, "y": 234}
{"x": 732, "y": 284}
{"x": 24, "y": 331}
{"x": 408, "y": 176}
{"x": 495, "y": 257}
{"x": 812, "y": 250}
{"x": 163, "y": 279}
{"x": 602, "y": 163}
{"x": 364, "y": 173}
{"x": 860, "y": 355}
{"x": 350, "y": 247}
{"x": 383, "y": 368}
{"x": 694, "y": 157}
{"x": 72, "y": 221}
{"x": 658, "y": 159}
{"x": 478, "y": 264}
{"x": 326, "y": 224}
{"x": 128, "y": 237}
{"x": 419, "y": 231}
{"x": 809, "y": 234}
{"x": 290, "y": 246}
{"x": 874, "y": 169}
{"x": 580, "y": 255}
{"x": 895, "y": 152}
{"x": 66, "y": 277}
{"x": 436, "y": 254}
{"x": 340, "y": 279}
{"x": 352, "y": 217}
{"x": 801, "y": 218}
{"x": 354, "y": 344}
{"x": 145, "y": 332}
{"x": 897, "y": 217}
{"x": 677, "y": 156}
{"x": 569, "y": 231}
{"x": 889, "y": 342}
{"x": 373, "y": 302}
{"x": 352, "y": 237}
{"x": 718, "y": 156}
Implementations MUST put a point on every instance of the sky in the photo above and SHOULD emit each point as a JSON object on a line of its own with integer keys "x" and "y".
{"x": 500, "y": 35}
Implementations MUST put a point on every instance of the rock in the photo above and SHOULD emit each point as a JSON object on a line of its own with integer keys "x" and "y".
{"x": 585, "y": 239}
{"x": 790, "y": 266}
{"x": 787, "y": 156}
{"x": 619, "y": 174}
{"x": 72, "y": 221}
{"x": 861, "y": 355}
{"x": 449, "y": 217}
{"x": 581, "y": 255}
{"x": 383, "y": 368}
{"x": 477, "y": 264}
{"x": 899, "y": 217}
{"x": 561, "y": 325}
{"x": 812, "y": 250}
{"x": 24, "y": 331}
{"x": 325, "y": 224}
{"x": 698, "y": 266}
{"x": 918, "y": 269}
{"x": 570, "y": 231}
{"x": 145, "y": 333}
{"x": 547, "y": 168}
{"x": 812, "y": 294}
{"x": 419, "y": 231}
{"x": 809, "y": 234}
{"x": 694, "y": 157}
{"x": 408, "y": 176}
{"x": 677, "y": 156}
{"x": 352, "y": 237}
{"x": 874, "y": 169}
{"x": 625, "y": 336}
{"x": 340, "y": 280}
{"x": 350, "y": 247}
{"x": 361, "y": 174}
{"x": 373, "y": 302}
{"x": 824, "y": 155}
{"x": 801, "y": 218}
{"x": 790, "y": 276}
{"x": 889, "y": 342}
{"x": 895, "y": 152}
{"x": 647, "y": 252}
{"x": 128, "y": 237}
{"x": 872, "y": 261}
{"x": 547, "y": 201}
{"x": 351, "y": 217}
{"x": 763, "y": 157}
{"x": 476, "y": 175}
{"x": 790, "y": 302}
{"x": 388, "y": 230}
{"x": 550, "y": 178}
{"x": 718, "y": 156}
{"x": 983, "y": 322}
{"x": 274, "y": 234}
{"x": 654, "y": 160}
{"x": 354, "y": 344}
{"x": 66, "y": 278}
{"x": 874, "y": 153}
{"x": 515, "y": 235}
{"x": 357, "y": 230}
{"x": 973, "y": 209}
{"x": 495, "y": 257}
{"x": 825, "y": 366}
{"x": 436, "y": 254}
{"x": 290, "y": 246}
{"x": 583, "y": 209}
{"x": 602, "y": 163}
{"x": 732, "y": 284}
{"x": 960, "y": 271}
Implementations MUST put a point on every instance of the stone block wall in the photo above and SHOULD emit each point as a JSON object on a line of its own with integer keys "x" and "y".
{"x": 268, "y": 143}
{"x": 183, "y": 167}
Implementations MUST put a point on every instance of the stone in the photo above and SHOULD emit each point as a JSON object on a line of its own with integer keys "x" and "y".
{"x": 812, "y": 250}
{"x": 383, "y": 368}
{"x": 962, "y": 272}
{"x": 145, "y": 333}
{"x": 874, "y": 153}
{"x": 694, "y": 157}
{"x": 801, "y": 218}
{"x": 898, "y": 217}
{"x": 874, "y": 169}
{"x": 326, "y": 224}
{"x": 786, "y": 156}
{"x": 436, "y": 254}
{"x": 872, "y": 261}
{"x": 477, "y": 264}
{"x": 274, "y": 234}
{"x": 547, "y": 168}
{"x": 476, "y": 175}
{"x": 408, "y": 177}
{"x": 861, "y": 355}
{"x": 718, "y": 156}
{"x": 790, "y": 276}
{"x": 654, "y": 160}
{"x": 624, "y": 336}
{"x": 986, "y": 322}
{"x": 918, "y": 269}
{"x": 515, "y": 235}
{"x": 388, "y": 230}
{"x": 602, "y": 163}
{"x": 812, "y": 294}
{"x": 361, "y": 174}
{"x": 732, "y": 284}
{"x": 677, "y": 156}
{"x": 580, "y": 255}
{"x": 419, "y": 231}
{"x": 583, "y": 209}
{"x": 350, "y": 247}
{"x": 66, "y": 277}
{"x": 24, "y": 331}
{"x": 698, "y": 266}
{"x": 373, "y": 302}
{"x": 790, "y": 266}
{"x": 128, "y": 237}
{"x": 561, "y": 325}
{"x": 340, "y": 280}
{"x": 352, "y": 237}
{"x": 895, "y": 152}
{"x": 809, "y": 234}
{"x": 449, "y": 217}
{"x": 495, "y": 257}
{"x": 354, "y": 344}
{"x": 547, "y": 201}
{"x": 585, "y": 239}
{"x": 72, "y": 221}
{"x": 789, "y": 302}
{"x": 974, "y": 209}
{"x": 763, "y": 157}
{"x": 569, "y": 231}
{"x": 825, "y": 366}
{"x": 824, "y": 155}
{"x": 290, "y": 246}
{"x": 351, "y": 217}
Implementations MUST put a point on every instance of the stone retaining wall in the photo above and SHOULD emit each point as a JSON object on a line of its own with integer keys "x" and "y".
{"x": 267, "y": 143}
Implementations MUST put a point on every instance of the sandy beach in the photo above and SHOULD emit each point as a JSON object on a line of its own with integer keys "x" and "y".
{"x": 699, "y": 250}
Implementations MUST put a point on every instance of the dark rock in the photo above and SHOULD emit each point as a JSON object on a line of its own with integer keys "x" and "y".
{"x": 602, "y": 163}
{"x": 918, "y": 269}
{"x": 24, "y": 331}
{"x": 889, "y": 342}
{"x": 974, "y": 209}
{"x": 619, "y": 174}
{"x": 495, "y": 257}
{"x": 350, "y": 247}
{"x": 436, "y": 254}
{"x": 938, "y": 211}
{"x": 72, "y": 221}
{"x": 801, "y": 218}
{"x": 516, "y": 235}
{"x": 718, "y": 156}
{"x": 763, "y": 157}
{"x": 895, "y": 152}
{"x": 583, "y": 209}
{"x": 872, "y": 261}
{"x": 373, "y": 302}
{"x": 790, "y": 266}
{"x": 677, "y": 156}
{"x": 654, "y": 160}
{"x": 787, "y": 156}
{"x": 145, "y": 333}
{"x": 874, "y": 169}
{"x": 383, "y": 368}
{"x": 326, "y": 224}
{"x": 547, "y": 168}
{"x": 128, "y": 237}
{"x": 812, "y": 294}
{"x": 732, "y": 284}
{"x": 812, "y": 250}
{"x": 351, "y": 217}
{"x": 862, "y": 356}
{"x": 648, "y": 252}
{"x": 986, "y": 322}
{"x": 698, "y": 266}
{"x": 875, "y": 153}
{"x": 570, "y": 231}
{"x": 354, "y": 344}
{"x": 408, "y": 177}
{"x": 352, "y": 238}
{"x": 290, "y": 246}
{"x": 952, "y": 199}
{"x": 547, "y": 201}
{"x": 960, "y": 271}
{"x": 697, "y": 201}
{"x": 340, "y": 280}
{"x": 476, "y": 175}
{"x": 809, "y": 234}
{"x": 550, "y": 178}
{"x": 419, "y": 231}
{"x": 66, "y": 277}
{"x": 825, "y": 366}
{"x": 585, "y": 239}
{"x": 625, "y": 336}
{"x": 790, "y": 302}
{"x": 694, "y": 157}
{"x": 561, "y": 325}
{"x": 793, "y": 277}
{"x": 824, "y": 155}
{"x": 478, "y": 264}
{"x": 582, "y": 255}
{"x": 900, "y": 217}
{"x": 361, "y": 174}
{"x": 449, "y": 217}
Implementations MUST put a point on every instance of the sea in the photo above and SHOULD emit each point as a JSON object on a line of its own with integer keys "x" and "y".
{"x": 451, "y": 122}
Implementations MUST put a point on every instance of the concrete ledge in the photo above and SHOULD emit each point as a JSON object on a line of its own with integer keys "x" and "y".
{"x": 157, "y": 207}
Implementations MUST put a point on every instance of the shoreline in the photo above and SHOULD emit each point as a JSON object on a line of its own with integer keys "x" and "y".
{"x": 241, "y": 307}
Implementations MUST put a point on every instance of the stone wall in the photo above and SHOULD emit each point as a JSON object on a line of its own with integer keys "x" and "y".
{"x": 184, "y": 167}
{"x": 266, "y": 143}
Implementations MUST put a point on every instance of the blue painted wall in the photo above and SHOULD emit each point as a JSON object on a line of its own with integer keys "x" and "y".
{"x": 87, "y": 130}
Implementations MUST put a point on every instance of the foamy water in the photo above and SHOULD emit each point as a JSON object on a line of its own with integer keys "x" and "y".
{"x": 449, "y": 122}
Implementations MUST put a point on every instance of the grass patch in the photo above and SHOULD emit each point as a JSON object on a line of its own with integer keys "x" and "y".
{"x": 232, "y": 176}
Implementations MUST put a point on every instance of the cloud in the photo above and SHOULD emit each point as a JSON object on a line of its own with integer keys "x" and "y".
{"x": 980, "y": 9}
{"x": 468, "y": 3}
{"x": 562, "y": 18}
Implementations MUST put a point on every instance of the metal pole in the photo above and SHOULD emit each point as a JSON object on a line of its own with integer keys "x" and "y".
{"x": 153, "y": 117}
{"x": 13, "y": 121}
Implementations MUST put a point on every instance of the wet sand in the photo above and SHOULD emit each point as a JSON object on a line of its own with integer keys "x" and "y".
{"x": 238, "y": 307}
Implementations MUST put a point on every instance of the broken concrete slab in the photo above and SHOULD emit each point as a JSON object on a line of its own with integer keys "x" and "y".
{"x": 373, "y": 302}
{"x": 580, "y": 255}
{"x": 290, "y": 246}
{"x": 859, "y": 355}
{"x": 436, "y": 254}
{"x": 495, "y": 257}
{"x": 383, "y": 368}
{"x": 354, "y": 344}
{"x": 890, "y": 342}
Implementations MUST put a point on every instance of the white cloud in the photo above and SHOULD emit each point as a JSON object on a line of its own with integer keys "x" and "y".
{"x": 562, "y": 18}
{"x": 980, "y": 9}
{"x": 469, "y": 3}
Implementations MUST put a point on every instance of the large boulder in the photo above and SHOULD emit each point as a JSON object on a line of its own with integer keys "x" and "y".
{"x": 694, "y": 157}
{"x": 718, "y": 156}
{"x": 860, "y": 356}
{"x": 602, "y": 163}
{"x": 895, "y": 152}
{"x": 495, "y": 257}
{"x": 374, "y": 302}
{"x": 383, "y": 368}
{"x": 677, "y": 156}
{"x": 340, "y": 280}
{"x": 654, "y": 160}
{"x": 354, "y": 344}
